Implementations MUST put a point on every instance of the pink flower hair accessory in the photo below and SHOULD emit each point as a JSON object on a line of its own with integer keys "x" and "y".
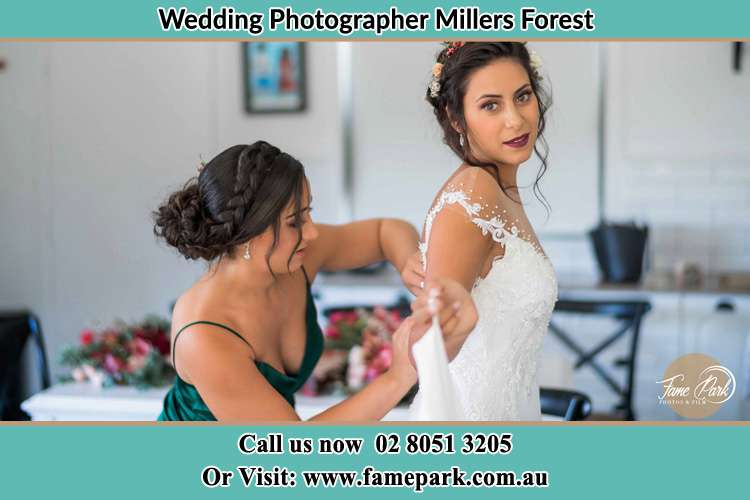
{"x": 437, "y": 69}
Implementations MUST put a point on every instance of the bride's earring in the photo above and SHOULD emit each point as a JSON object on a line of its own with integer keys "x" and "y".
{"x": 461, "y": 140}
{"x": 246, "y": 256}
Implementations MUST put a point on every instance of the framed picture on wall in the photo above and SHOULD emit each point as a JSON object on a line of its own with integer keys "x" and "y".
{"x": 274, "y": 77}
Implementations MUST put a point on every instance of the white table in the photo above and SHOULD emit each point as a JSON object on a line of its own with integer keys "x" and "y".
{"x": 84, "y": 402}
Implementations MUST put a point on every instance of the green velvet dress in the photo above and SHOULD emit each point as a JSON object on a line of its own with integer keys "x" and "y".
{"x": 183, "y": 402}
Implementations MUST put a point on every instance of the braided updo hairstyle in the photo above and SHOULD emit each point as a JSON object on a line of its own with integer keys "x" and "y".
{"x": 236, "y": 197}
{"x": 458, "y": 65}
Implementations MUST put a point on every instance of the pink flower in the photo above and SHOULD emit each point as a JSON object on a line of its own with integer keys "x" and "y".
{"x": 87, "y": 337}
{"x": 139, "y": 347}
{"x": 371, "y": 342}
{"x": 113, "y": 364}
{"x": 379, "y": 312}
{"x": 382, "y": 360}
{"x": 371, "y": 374}
{"x": 332, "y": 332}
{"x": 396, "y": 317}
{"x": 385, "y": 356}
{"x": 336, "y": 317}
{"x": 136, "y": 362}
{"x": 452, "y": 47}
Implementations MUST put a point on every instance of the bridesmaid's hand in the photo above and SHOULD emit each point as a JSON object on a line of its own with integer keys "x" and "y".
{"x": 412, "y": 274}
{"x": 455, "y": 309}
{"x": 403, "y": 368}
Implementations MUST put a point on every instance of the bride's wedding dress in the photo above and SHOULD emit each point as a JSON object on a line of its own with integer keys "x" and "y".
{"x": 495, "y": 372}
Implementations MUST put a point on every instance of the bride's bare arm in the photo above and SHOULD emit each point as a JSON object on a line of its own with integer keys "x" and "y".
{"x": 457, "y": 250}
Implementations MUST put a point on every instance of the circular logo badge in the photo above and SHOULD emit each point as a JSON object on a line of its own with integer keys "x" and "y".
{"x": 695, "y": 385}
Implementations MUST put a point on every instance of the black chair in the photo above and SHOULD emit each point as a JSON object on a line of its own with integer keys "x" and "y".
{"x": 629, "y": 314}
{"x": 570, "y": 405}
{"x": 16, "y": 328}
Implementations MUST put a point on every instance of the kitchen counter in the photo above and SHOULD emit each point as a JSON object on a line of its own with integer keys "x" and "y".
{"x": 723, "y": 284}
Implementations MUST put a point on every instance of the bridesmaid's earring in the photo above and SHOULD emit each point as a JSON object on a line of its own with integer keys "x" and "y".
{"x": 461, "y": 140}
{"x": 247, "y": 252}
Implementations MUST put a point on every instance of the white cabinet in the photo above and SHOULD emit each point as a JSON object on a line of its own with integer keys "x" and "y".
{"x": 658, "y": 347}
{"x": 722, "y": 334}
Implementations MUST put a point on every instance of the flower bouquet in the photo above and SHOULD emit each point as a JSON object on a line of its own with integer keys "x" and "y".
{"x": 357, "y": 350}
{"x": 123, "y": 354}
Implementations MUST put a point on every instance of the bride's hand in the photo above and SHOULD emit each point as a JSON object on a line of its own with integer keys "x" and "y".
{"x": 412, "y": 274}
{"x": 454, "y": 308}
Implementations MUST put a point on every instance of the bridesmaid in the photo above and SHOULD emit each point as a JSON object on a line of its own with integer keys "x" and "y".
{"x": 245, "y": 336}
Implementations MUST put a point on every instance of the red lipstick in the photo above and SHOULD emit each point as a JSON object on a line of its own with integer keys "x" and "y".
{"x": 518, "y": 142}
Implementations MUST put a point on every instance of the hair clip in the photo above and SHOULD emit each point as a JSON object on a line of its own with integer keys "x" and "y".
{"x": 452, "y": 47}
{"x": 437, "y": 69}
{"x": 536, "y": 63}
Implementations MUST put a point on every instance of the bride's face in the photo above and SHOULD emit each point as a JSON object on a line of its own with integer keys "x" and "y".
{"x": 501, "y": 113}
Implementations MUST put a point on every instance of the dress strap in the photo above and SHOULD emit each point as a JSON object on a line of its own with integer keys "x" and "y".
{"x": 212, "y": 323}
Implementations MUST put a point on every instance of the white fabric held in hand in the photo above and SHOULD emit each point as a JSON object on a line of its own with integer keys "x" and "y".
{"x": 437, "y": 399}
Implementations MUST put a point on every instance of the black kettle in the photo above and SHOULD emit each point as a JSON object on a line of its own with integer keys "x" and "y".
{"x": 619, "y": 250}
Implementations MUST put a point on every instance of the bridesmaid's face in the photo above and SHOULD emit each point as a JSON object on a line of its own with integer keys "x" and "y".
{"x": 501, "y": 112}
{"x": 288, "y": 236}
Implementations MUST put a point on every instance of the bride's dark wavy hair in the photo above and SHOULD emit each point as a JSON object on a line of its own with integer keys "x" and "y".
{"x": 459, "y": 64}
{"x": 236, "y": 197}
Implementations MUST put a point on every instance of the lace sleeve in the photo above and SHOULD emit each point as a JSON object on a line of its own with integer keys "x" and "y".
{"x": 461, "y": 227}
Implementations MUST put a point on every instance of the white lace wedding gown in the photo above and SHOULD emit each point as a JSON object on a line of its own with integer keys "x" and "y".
{"x": 495, "y": 372}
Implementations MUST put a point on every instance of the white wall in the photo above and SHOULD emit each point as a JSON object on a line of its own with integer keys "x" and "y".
{"x": 678, "y": 154}
{"x": 399, "y": 159}
{"x": 94, "y": 135}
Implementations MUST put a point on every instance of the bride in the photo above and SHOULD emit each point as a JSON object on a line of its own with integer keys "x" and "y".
{"x": 489, "y": 103}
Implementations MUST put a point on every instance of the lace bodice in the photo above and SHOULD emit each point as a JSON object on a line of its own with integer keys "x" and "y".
{"x": 495, "y": 371}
